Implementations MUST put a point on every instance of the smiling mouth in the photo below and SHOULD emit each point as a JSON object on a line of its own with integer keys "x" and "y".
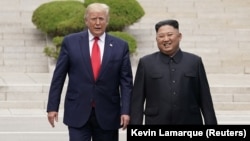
{"x": 166, "y": 44}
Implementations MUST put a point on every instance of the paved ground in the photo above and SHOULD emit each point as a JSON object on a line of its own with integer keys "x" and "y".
{"x": 32, "y": 125}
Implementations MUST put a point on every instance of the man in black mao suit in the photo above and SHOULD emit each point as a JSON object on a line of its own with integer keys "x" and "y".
{"x": 94, "y": 109}
{"x": 171, "y": 84}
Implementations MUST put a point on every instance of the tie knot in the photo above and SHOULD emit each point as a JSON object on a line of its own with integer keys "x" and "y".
{"x": 96, "y": 38}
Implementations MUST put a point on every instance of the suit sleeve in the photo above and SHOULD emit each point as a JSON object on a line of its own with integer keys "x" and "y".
{"x": 207, "y": 107}
{"x": 58, "y": 79}
{"x": 138, "y": 96}
{"x": 126, "y": 81}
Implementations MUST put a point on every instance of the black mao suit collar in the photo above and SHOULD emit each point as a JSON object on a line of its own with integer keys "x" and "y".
{"x": 176, "y": 58}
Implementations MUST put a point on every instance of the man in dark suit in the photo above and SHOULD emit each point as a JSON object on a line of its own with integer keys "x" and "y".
{"x": 94, "y": 108}
{"x": 171, "y": 85}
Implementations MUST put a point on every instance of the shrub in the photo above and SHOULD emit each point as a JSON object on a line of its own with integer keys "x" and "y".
{"x": 60, "y": 18}
{"x": 127, "y": 37}
{"x": 122, "y": 12}
{"x": 53, "y": 51}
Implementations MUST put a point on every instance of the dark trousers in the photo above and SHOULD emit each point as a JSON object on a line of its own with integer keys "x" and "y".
{"x": 92, "y": 132}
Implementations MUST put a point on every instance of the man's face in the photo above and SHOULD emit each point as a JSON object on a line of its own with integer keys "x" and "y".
{"x": 97, "y": 22}
{"x": 168, "y": 39}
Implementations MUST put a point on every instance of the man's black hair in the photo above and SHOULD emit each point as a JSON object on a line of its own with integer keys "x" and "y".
{"x": 171, "y": 22}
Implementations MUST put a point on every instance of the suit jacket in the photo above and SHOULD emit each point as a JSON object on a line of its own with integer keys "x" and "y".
{"x": 175, "y": 91}
{"x": 111, "y": 91}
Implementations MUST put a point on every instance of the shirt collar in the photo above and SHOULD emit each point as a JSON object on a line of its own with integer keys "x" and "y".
{"x": 91, "y": 37}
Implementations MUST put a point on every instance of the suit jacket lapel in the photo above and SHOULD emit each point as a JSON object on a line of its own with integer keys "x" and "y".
{"x": 84, "y": 47}
{"x": 108, "y": 47}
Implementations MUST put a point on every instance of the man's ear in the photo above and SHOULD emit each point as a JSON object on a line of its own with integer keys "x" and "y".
{"x": 180, "y": 35}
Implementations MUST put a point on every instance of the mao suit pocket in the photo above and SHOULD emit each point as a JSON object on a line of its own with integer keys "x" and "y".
{"x": 191, "y": 79}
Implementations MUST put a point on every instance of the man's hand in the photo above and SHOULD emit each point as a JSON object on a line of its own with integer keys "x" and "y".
{"x": 124, "y": 121}
{"x": 52, "y": 116}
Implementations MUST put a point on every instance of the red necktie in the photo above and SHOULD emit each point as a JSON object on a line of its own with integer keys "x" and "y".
{"x": 96, "y": 58}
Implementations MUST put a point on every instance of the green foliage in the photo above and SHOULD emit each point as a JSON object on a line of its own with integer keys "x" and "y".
{"x": 122, "y": 12}
{"x": 53, "y": 51}
{"x": 127, "y": 37}
{"x": 59, "y": 18}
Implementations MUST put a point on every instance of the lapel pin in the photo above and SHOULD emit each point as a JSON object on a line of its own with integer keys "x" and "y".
{"x": 110, "y": 45}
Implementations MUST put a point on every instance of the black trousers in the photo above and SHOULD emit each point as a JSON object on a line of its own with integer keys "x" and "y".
{"x": 92, "y": 131}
